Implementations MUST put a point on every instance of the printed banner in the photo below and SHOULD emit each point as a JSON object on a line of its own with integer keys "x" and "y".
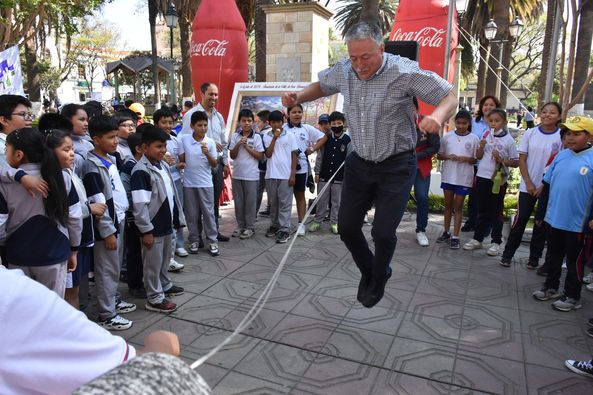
{"x": 11, "y": 75}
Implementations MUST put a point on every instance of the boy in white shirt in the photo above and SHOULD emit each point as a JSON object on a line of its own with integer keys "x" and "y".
{"x": 246, "y": 149}
{"x": 198, "y": 152}
{"x": 281, "y": 151}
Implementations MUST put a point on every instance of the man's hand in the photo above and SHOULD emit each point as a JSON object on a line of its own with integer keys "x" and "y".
{"x": 219, "y": 147}
{"x": 148, "y": 240}
{"x": 111, "y": 243}
{"x": 277, "y": 132}
{"x": 430, "y": 124}
{"x": 72, "y": 262}
{"x": 180, "y": 165}
{"x": 225, "y": 171}
{"x": 292, "y": 180}
{"x": 35, "y": 185}
{"x": 289, "y": 99}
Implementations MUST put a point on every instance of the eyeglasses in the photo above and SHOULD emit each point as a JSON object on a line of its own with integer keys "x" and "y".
{"x": 24, "y": 114}
{"x": 127, "y": 125}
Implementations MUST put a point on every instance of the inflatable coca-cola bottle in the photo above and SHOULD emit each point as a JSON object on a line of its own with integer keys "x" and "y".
{"x": 425, "y": 21}
{"x": 219, "y": 49}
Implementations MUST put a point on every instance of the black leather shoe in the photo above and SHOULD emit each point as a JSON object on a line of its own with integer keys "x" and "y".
{"x": 375, "y": 291}
{"x": 222, "y": 237}
{"x": 363, "y": 285}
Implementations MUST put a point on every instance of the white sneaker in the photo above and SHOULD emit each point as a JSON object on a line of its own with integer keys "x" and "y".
{"x": 175, "y": 266}
{"x": 588, "y": 279}
{"x": 116, "y": 323}
{"x": 422, "y": 239}
{"x": 301, "y": 230}
{"x": 473, "y": 244}
{"x": 493, "y": 250}
{"x": 182, "y": 252}
{"x": 589, "y": 287}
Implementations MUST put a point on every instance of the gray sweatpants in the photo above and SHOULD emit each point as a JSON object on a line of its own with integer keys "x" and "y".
{"x": 52, "y": 276}
{"x": 106, "y": 278}
{"x": 156, "y": 262}
{"x": 200, "y": 201}
{"x": 245, "y": 196}
{"x": 261, "y": 187}
{"x": 280, "y": 199}
{"x": 333, "y": 194}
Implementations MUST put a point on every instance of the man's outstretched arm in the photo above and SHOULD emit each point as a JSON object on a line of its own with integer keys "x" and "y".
{"x": 310, "y": 93}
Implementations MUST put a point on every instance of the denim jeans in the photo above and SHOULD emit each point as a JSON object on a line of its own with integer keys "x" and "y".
{"x": 388, "y": 185}
{"x": 421, "y": 187}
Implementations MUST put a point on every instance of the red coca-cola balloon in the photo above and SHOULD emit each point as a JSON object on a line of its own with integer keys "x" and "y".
{"x": 219, "y": 49}
{"x": 425, "y": 21}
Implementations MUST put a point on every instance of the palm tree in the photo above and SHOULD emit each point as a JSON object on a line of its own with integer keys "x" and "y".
{"x": 546, "y": 53}
{"x": 583, "y": 51}
{"x": 381, "y": 12}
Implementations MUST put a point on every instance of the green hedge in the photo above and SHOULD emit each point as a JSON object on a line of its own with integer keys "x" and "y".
{"x": 436, "y": 204}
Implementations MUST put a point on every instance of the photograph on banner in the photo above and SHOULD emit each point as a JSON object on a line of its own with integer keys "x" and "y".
{"x": 258, "y": 96}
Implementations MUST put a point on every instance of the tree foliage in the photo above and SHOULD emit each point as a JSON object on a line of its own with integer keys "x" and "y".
{"x": 350, "y": 11}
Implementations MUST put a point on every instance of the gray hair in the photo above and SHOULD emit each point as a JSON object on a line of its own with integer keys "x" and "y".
{"x": 364, "y": 30}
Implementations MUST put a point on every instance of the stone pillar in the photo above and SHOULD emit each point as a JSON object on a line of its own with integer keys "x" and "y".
{"x": 297, "y": 41}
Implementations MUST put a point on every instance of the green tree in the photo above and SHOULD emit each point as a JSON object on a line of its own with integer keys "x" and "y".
{"x": 380, "y": 12}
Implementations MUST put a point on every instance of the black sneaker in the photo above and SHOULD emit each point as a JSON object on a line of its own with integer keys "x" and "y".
{"x": 506, "y": 262}
{"x": 455, "y": 244}
{"x": 271, "y": 232}
{"x": 282, "y": 237}
{"x": 174, "y": 291}
{"x": 584, "y": 368}
{"x": 467, "y": 228}
{"x": 446, "y": 236}
{"x": 532, "y": 264}
{"x": 541, "y": 271}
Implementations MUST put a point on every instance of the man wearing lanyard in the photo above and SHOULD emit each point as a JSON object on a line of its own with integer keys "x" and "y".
{"x": 378, "y": 89}
{"x": 216, "y": 133}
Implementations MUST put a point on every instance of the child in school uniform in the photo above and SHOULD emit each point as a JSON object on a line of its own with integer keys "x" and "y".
{"x": 126, "y": 126}
{"x": 164, "y": 119}
{"x": 15, "y": 113}
{"x": 536, "y": 147}
{"x": 132, "y": 235}
{"x": 53, "y": 224}
{"x": 157, "y": 213}
{"x": 246, "y": 150}
{"x": 77, "y": 115}
{"x": 103, "y": 184}
{"x": 569, "y": 182}
{"x": 281, "y": 151}
{"x": 497, "y": 152}
{"x": 263, "y": 127}
{"x": 458, "y": 153}
{"x": 199, "y": 154}
{"x": 329, "y": 160}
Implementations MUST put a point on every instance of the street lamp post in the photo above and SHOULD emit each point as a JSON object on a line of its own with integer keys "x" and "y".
{"x": 490, "y": 31}
{"x": 171, "y": 18}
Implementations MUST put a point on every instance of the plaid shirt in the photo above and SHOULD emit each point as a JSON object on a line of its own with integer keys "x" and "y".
{"x": 380, "y": 110}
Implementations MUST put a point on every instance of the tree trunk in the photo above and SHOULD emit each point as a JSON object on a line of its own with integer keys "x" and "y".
{"x": 500, "y": 14}
{"x": 370, "y": 11}
{"x": 184, "y": 30}
{"x": 548, "y": 37}
{"x": 152, "y": 12}
{"x": 507, "y": 53}
{"x": 260, "y": 41}
{"x": 33, "y": 82}
{"x": 481, "y": 84}
{"x": 583, "y": 53}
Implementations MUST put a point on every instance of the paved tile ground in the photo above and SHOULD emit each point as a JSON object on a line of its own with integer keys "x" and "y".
{"x": 451, "y": 322}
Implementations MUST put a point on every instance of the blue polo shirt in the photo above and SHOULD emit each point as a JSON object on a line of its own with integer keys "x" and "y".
{"x": 571, "y": 190}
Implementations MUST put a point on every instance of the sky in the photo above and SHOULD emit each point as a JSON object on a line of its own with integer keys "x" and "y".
{"x": 130, "y": 17}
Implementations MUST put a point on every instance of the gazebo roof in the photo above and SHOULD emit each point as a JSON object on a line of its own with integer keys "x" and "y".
{"x": 138, "y": 64}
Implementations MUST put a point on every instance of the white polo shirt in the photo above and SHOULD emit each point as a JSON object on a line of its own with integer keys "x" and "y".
{"x": 539, "y": 146}
{"x": 306, "y": 136}
{"x": 245, "y": 166}
{"x": 453, "y": 172}
{"x": 504, "y": 145}
{"x": 198, "y": 172}
{"x": 47, "y": 346}
{"x": 279, "y": 165}
{"x": 173, "y": 149}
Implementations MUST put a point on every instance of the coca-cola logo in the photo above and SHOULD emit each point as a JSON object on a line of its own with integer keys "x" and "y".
{"x": 211, "y": 47}
{"x": 425, "y": 37}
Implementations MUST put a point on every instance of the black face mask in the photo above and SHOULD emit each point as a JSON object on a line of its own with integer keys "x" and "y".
{"x": 337, "y": 129}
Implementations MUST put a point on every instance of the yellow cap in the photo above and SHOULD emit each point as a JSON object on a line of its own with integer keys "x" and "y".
{"x": 138, "y": 109}
{"x": 578, "y": 123}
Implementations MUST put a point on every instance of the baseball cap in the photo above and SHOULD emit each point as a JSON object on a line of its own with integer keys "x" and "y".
{"x": 138, "y": 109}
{"x": 578, "y": 123}
{"x": 323, "y": 118}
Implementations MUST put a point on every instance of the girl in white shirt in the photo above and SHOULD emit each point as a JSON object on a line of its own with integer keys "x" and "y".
{"x": 497, "y": 151}
{"x": 537, "y": 146}
{"x": 458, "y": 151}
